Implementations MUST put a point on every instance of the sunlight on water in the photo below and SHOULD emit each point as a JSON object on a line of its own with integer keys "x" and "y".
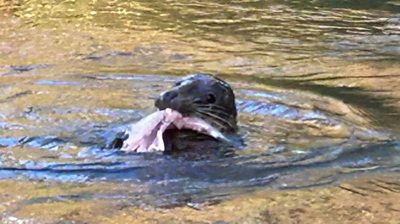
{"x": 316, "y": 85}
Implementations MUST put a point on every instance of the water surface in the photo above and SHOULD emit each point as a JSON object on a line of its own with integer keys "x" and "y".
{"x": 316, "y": 86}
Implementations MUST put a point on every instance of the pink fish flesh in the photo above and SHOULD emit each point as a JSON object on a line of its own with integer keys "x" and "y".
{"x": 147, "y": 134}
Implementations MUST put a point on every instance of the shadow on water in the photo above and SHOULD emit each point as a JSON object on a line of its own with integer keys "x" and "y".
{"x": 378, "y": 108}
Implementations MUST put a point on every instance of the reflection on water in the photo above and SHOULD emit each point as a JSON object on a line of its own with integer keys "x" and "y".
{"x": 316, "y": 85}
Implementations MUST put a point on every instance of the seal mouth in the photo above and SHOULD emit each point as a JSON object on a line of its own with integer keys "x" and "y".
{"x": 147, "y": 134}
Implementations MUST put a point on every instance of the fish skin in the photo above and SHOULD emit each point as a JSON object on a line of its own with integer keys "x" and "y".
{"x": 147, "y": 134}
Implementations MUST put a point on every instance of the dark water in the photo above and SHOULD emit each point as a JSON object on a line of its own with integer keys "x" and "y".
{"x": 317, "y": 88}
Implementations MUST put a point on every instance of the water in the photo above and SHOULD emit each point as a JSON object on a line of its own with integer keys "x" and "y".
{"x": 316, "y": 86}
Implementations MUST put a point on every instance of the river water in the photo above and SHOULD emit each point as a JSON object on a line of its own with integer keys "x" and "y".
{"x": 317, "y": 86}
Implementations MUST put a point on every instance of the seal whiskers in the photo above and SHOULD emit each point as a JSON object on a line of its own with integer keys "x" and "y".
{"x": 215, "y": 117}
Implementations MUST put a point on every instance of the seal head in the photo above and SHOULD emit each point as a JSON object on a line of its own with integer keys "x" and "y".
{"x": 204, "y": 96}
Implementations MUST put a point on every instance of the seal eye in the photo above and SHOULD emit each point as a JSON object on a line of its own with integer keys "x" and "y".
{"x": 210, "y": 98}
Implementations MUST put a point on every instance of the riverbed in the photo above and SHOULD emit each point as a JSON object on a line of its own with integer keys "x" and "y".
{"x": 317, "y": 91}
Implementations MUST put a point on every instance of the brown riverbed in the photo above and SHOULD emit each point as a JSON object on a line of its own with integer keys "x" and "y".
{"x": 317, "y": 88}
{"x": 371, "y": 200}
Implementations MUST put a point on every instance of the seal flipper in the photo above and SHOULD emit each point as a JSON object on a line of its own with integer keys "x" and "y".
{"x": 117, "y": 141}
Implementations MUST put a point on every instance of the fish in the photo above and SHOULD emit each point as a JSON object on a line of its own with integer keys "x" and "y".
{"x": 147, "y": 134}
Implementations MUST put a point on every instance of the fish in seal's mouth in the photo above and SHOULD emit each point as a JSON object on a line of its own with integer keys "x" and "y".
{"x": 147, "y": 134}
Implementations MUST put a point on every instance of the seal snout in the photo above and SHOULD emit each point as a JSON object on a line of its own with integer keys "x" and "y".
{"x": 167, "y": 100}
{"x": 168, "y": 96}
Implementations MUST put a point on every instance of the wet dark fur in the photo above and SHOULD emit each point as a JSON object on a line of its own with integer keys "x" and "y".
{"x": 204, "y": 96}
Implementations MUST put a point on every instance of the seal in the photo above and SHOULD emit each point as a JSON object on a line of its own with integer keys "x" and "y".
{"x": 204, "y": 97}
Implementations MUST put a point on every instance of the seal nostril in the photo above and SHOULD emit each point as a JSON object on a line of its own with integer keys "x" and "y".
{"x": 168, "y": 96}
{"x": 211, "y": 98}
